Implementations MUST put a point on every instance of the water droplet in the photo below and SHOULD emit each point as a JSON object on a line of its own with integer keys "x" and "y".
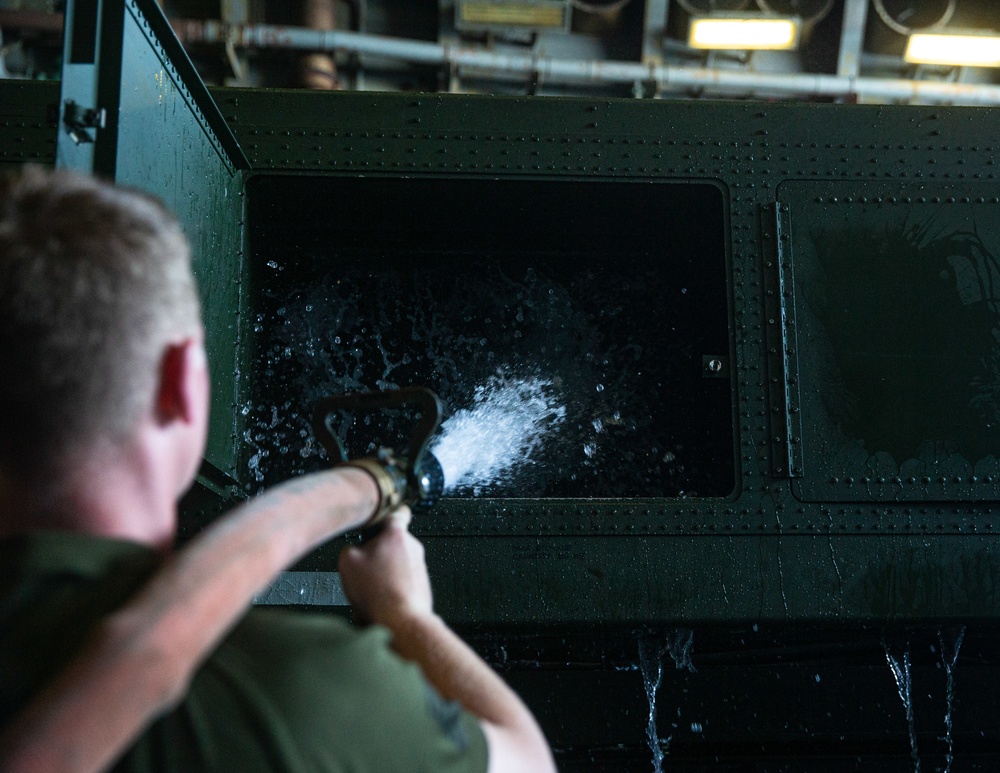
{"x": 600, "y": 387}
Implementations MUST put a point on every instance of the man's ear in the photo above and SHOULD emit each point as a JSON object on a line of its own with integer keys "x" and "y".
{"x": 178, "y": 393}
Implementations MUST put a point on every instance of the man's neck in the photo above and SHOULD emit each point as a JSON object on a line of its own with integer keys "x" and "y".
{"x": 115, "y": 498}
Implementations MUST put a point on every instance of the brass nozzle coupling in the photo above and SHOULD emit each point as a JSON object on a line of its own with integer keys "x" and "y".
{"x": 396, "y": 485}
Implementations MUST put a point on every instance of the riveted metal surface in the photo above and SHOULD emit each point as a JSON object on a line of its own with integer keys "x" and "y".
{"x": 177, "y": 74}
{"x": 784, "y": 532}
{"x": 936, "y": 163}
{"x": 27, "y": 122}
{"x": 896, "y": 289}
{"x": 198, "y": 179}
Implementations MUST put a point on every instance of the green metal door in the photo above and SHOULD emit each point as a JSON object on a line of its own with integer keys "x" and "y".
{"x": 134, "y": 110}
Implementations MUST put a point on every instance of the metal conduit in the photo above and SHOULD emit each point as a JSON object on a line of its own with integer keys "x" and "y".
{"x": 569, "y": 71}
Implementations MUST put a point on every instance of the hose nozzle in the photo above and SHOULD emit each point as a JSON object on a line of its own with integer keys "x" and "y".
{"x": 414, "y": 477}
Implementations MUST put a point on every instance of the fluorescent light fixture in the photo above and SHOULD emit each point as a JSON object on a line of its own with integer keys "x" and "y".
{"x": 743, "y": 33}
{"x": 963, "y": 48}
{"x": 493, "y": 13}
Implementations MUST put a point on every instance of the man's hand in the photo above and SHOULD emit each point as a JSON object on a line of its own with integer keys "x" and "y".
{"x": 386, "y": 579}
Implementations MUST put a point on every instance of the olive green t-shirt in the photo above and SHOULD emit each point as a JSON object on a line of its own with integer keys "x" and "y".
{"x": 283, "y": 692}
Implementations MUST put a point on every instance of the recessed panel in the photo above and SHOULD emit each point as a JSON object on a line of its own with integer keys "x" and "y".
{"x": 897, "y": 320}
{"x": 577, "y": 333}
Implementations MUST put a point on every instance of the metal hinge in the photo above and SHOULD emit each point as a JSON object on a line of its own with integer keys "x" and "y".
{"x": 782, "y": 358}
{"x": 82, "y": 123}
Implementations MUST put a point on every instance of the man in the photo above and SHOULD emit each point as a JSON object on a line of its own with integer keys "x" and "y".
{"x": 103, "y": 417}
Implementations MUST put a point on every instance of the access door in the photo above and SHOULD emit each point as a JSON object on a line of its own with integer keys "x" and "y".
{"x": 133, "y": 109}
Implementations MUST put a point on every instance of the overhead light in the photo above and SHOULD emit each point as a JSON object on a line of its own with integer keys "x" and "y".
{"x": 971, "y": 49}
{"x": 742, "y": 33}
{"x": 525, "y": 14}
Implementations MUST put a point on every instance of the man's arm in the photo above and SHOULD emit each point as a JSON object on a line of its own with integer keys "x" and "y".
{"x": 140, "y": 660}
{"x": 386, "y": 581}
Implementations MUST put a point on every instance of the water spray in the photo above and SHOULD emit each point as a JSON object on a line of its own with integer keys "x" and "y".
{"x": 478, "y": 446}
{"x": 482, "y": 445}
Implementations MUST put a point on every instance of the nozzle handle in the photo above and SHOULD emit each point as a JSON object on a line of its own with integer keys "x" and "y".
{"x": 420, "y": 471}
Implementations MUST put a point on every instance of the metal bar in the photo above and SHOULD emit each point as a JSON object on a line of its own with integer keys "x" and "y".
{"x": 852, "y": 38}
{"x": 571, "y": 71}
{"x": 235, "y": 11}
{"x": 789, "y": 343}
{"x": 654, "y": 25}
{"x": 321, "y": 589}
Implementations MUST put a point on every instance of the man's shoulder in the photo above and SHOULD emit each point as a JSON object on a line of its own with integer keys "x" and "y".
{"x": 312, "y": 690}
{"x": 289, "y": 640}
{"x": 303, "y": 629}
{"x": 295, "y": 654}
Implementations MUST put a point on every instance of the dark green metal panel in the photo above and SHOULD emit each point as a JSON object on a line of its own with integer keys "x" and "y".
{"x": 702, "y": 580}
{"x": 28, "y": 122}
{"x": 897, "y": 318}
{"x": 790, "y": 543}
{"x": 162, "y": 132}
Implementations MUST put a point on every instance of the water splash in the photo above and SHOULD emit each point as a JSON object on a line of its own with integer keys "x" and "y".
{"x": 948, "y": 661}
{"x": 777, "y": 549}
{"x": 836, "y": 565}
{"x": 904, "y": 685}
{"x": 509, "y": 417}
{"x": 650, "y": 658}
{"x": 679, "y": 645}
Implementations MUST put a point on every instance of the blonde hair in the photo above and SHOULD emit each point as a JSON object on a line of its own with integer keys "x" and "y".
{"x": 94, "y": 281}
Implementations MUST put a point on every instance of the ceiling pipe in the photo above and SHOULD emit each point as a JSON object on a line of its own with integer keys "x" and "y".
{"x": 570, "y": 71}
{"x": 852, "y": 34}
{"x": 317, "y": 70}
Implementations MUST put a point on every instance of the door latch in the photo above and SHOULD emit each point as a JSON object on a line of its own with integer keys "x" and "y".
{"x": 82, "y": 122}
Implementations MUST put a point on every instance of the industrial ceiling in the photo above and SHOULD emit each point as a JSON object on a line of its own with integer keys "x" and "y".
{"x": 839, "y": 50}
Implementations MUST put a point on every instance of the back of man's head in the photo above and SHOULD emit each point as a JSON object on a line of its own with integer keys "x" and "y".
{"x": 94, "y": 282}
